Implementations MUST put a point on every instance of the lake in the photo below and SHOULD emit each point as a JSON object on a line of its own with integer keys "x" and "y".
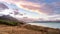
{"x": 51, "y": 25}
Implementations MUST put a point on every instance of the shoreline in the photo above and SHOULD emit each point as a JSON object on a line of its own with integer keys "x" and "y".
{"x": 45, "y": 25}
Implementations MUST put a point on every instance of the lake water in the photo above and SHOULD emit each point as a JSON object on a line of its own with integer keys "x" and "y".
{"x": 52, "y": 25}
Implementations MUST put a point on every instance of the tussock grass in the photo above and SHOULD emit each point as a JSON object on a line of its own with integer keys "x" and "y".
{"x": 43, "y": 29}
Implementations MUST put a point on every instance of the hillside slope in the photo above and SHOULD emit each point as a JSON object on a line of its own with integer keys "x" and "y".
{"x": 8, "y": 20}
{"x": 27, "y": 29}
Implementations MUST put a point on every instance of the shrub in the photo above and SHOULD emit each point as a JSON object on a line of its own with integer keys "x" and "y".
{"x": 8, "y": 22}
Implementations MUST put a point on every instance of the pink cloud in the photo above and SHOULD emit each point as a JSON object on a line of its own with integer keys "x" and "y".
{"x": 36, "y": 7}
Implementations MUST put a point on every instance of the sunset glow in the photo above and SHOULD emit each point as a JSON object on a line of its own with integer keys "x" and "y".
{"x": 44, "y": 9}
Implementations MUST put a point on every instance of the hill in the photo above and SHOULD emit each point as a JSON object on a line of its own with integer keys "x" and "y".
{"x": 8, "y": 20}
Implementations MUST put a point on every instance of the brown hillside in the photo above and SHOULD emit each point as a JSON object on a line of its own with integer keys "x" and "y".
{"x": 27, "y": 29}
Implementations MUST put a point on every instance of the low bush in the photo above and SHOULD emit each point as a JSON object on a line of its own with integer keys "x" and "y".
{"x": 8, "y": 22}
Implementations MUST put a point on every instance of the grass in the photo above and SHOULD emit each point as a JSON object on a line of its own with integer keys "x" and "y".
{"x": 43, "y": 29}
{"x": 8, "y": 22}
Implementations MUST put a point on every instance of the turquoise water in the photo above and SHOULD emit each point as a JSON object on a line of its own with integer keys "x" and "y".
{"x": 51, "y": 25}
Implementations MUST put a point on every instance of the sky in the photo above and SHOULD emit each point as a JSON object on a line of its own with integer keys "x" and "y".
{"x": 38, "y": 9}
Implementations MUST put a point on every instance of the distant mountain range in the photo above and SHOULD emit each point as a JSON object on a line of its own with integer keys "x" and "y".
{"x": 46, "y": 22}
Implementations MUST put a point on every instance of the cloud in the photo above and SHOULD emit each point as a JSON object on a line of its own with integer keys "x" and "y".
{"x": 5, "y": 12}
{"x": 3, "y": 6}
{"x": 22, "y": 3}
{"x": 30, "y": 6}
{"x": 40, "y": 6}
{"x": 37, "y": 6}
{"x": 45, "y": 8}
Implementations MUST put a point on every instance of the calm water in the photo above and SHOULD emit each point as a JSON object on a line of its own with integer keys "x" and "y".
{"x": 52, "y": 25}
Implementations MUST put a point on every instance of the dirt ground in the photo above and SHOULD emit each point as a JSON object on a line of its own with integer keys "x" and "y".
{"x": 4, "y": 29}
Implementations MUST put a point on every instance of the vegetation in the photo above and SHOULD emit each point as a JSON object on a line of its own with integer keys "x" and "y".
{"x": 8, "y": 22}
